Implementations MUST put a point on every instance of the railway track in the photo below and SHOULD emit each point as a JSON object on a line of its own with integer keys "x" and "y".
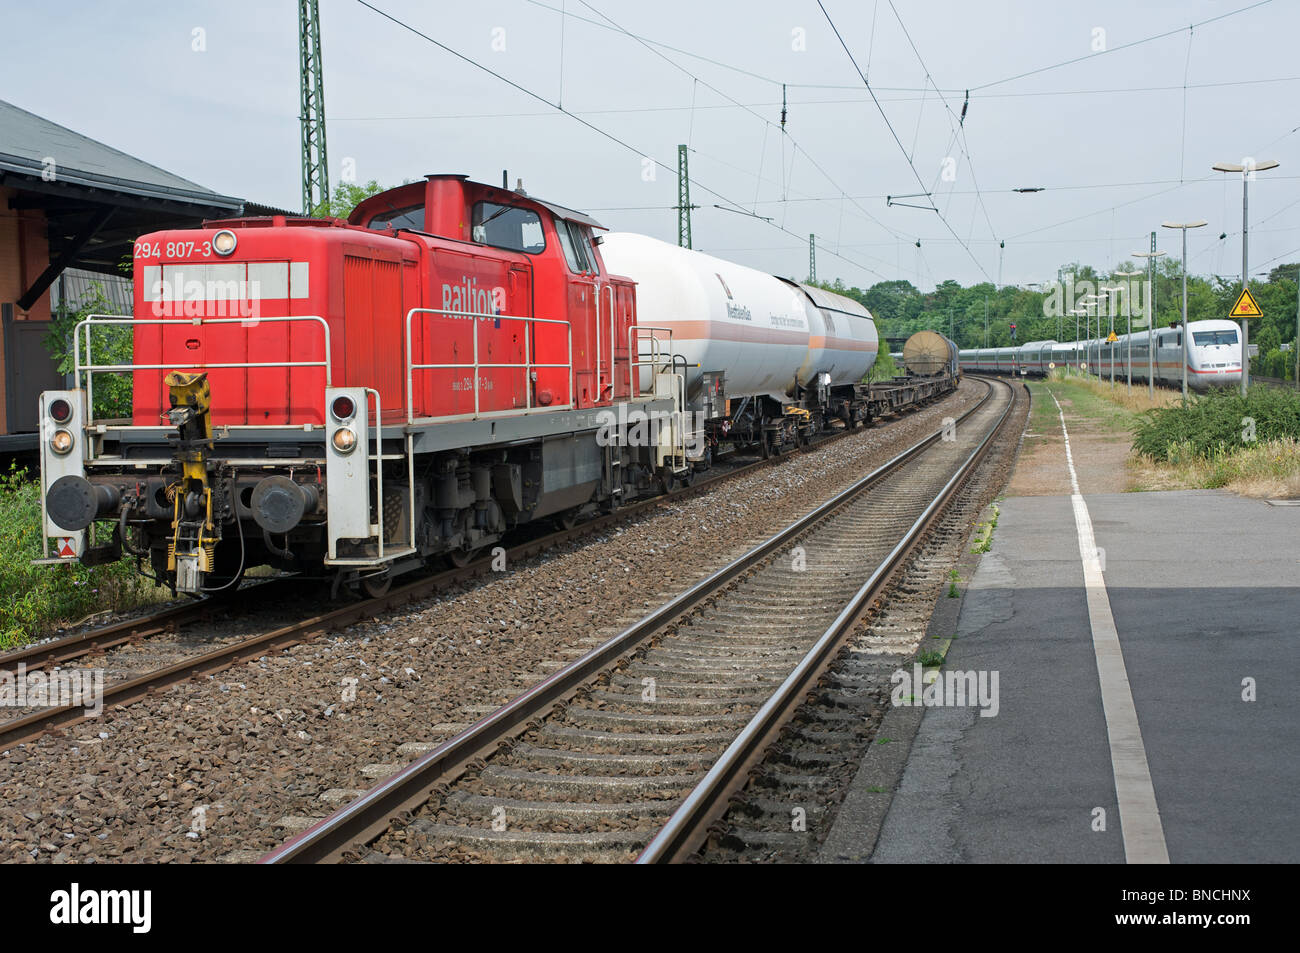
{"x": 187, "y": 659}
{"x": 1274, "y": 381}
{"x": 634, "y": 749}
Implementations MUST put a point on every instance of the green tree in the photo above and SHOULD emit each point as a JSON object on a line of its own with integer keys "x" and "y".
{"x": 346, "y": 197}
{"x": 109, "y": 344}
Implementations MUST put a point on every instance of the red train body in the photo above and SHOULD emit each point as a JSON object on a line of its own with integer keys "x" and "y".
{"x": 363, "y": 281}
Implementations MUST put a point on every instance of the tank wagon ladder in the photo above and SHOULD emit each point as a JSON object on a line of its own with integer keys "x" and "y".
{"x": 666, "y": 382}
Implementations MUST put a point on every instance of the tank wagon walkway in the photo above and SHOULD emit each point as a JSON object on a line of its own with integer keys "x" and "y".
{"x": 1124, "y": 726}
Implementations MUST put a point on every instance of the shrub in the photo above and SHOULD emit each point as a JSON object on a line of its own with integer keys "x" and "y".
{"x": 1217, "y": 423}
{"x": 884, "y": 368}
{"x": 36, "y": 599}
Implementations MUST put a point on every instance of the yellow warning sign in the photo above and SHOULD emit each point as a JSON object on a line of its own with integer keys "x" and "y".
{"x": 1112, "y": 338}
{"x": 1246, "y": 306}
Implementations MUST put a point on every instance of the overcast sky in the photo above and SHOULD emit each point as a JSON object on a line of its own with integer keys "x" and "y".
{"x": 1107, "y": 137}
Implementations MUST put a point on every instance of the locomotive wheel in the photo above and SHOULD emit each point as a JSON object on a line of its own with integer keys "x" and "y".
{"x": 460, "y": 558}
{"x": 375, "y": 586}
{"x": 667, "y": 480}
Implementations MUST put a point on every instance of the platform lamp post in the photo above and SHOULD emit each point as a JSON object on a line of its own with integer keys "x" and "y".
{"x": 1091, "y": 301}
{"x": 1110, "y": 313}
{"x": 1151, "y": 257}
{"x": 1183, "y": 227}
{"x": 1128, "y": 331}
{"x": 1247, "y": 168}
{"x": 1076, "y": 312}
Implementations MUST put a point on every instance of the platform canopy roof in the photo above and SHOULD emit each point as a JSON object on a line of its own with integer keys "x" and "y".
{"x": 97, "y": 200}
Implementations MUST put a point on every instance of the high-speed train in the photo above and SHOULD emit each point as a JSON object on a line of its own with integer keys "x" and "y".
{"x": 1213, "y": 356}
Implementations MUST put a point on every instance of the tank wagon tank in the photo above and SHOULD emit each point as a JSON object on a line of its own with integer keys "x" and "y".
{"x": 776, "y": 358}
{"x": 929, "y": 354}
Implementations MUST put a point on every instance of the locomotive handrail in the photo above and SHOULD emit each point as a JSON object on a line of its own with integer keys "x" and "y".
{"x": 89, "y": 369}
{"x": 659, "y": 357}
{"x": 635, "y": 336}
{"x": 528, "y": 366}
{"x": 613, "y": 357}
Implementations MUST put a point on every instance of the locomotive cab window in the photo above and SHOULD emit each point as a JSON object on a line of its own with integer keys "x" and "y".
{"x": 509, "y": 227}
{"x": 574, "y": 241}
{"x": 412, "y": 217}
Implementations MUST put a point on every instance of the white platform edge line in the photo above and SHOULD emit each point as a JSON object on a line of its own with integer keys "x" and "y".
{"x": 1140, "y": 825}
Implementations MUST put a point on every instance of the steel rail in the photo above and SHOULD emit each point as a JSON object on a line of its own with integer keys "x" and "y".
{"x": 73, "y": 646}
{"x": 687, "y": 827}
{"x": 158, "y": 622}
{"x": 365, "y": 818}
{"x": 162, "y": 621}
{"x": 30, "y": 727}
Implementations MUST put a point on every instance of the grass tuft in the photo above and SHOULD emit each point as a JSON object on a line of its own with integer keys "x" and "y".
{"x": 35, "y": 600}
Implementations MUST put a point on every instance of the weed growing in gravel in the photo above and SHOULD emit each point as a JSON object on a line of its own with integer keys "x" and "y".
{"x": 953, "y": 579}
{"x": 930, "y": 658}
{"x": 984, "y": 533}
{"x": 35, "y": 599}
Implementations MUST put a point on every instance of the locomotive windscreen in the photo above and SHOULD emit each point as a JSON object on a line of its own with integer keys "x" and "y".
{"x": 508, "y": 226}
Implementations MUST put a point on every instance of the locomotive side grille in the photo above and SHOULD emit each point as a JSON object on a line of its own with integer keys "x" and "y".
{"x": 372, "y": 301}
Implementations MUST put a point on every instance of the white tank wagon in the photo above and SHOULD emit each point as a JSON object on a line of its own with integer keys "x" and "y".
{"x": 842, "y": 339}
{"x": 723, "y": 316}
{"x": 765, "y": 360}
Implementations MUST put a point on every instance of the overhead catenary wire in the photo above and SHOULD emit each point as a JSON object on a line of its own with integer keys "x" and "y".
{"x": 713, "y": 61}
{"x": 894, "y": 134}
{"x": 1122, "y": 46}
{"x": 736, "y": 206}
{"x": 840, "y": 101}
{"x": 958, "y": 129}
{"x": 795, "y": 147}
{"x": 942, "y": 198}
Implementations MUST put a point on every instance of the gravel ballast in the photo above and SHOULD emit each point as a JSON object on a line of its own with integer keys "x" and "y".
{"x": 229, "y": 766}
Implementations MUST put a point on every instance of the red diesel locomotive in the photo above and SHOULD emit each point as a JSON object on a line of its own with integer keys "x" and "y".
{"x": 451, "y": 362}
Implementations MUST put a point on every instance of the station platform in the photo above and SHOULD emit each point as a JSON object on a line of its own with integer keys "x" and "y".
{"x": 1125, "y": 728}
